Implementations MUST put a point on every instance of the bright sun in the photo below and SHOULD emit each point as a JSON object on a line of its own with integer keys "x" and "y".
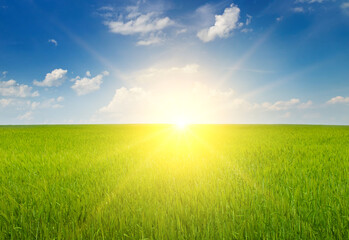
{"x": 181, "y": 123}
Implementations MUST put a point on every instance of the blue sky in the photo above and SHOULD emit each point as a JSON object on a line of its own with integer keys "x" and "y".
{"x": 160, "y": 61}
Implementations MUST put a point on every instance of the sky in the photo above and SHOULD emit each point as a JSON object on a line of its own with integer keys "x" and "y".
{"x": 109, "y": 61}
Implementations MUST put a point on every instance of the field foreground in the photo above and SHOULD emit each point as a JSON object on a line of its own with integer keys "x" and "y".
{"x": 160, "y": 182}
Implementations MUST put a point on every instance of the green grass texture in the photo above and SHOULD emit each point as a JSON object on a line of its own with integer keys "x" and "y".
{"x": 161, "y": 182}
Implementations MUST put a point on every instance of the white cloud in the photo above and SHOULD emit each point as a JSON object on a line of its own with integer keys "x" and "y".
{"x": 26, "y": 116}
{"x": 147, "y": 25}
{"x": 106, "y": 8}
{"x": 166, "y": 75}
{"x": 338, "y": 99}
{"x": 22, "y": 104}
{"x": 17, "y": 103}
{"x": 53, "y": 41}
{"x": 248, "y": 19}
{"x": 181, "y": 31}
{"x": 124, "y": 97}
{"x": 4, "y": 102}
{"x": 224, "y": 25}
{"x": 141, "y": 24}
{"x": 88, "y": 84}
{"x": 52, "y": 79}
{"x": 152, "y": 39}
{"x": 298, "y": 9}
{"x": 11, "y": 88}
{"x": 279, "y": 19}
{"x": 285, "y": 105}
{"x": 49, "y": 103}
{"x": 246, "y": 30}
{"x": 60, "y": 99}
{"x": 106, "y": 12}
{"x": 309, "y": 1}
{"x": 305, "y": 105}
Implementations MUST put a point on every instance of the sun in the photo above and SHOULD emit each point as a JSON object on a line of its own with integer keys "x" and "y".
{"x": 181, "y": 123}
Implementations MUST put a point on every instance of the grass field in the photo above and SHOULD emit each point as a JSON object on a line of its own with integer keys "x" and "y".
{"x": 159, "y": 182}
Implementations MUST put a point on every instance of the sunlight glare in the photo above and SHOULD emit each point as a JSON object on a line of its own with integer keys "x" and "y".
{"x": 181, "y": 123}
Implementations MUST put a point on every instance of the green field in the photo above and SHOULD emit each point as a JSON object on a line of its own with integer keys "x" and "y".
{"x": 158, "y": 182}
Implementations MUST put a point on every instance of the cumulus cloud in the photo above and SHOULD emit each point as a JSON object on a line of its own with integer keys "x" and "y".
{"x": 52, "y": 79}
{"x": 146, "y": 25}
{"x": 224, "y": 25}
{"x": 53, "y": 41}
{"x": 338, "y": 99}
{"x": 88, "y": 84}
{"x": 11, "y": 88}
